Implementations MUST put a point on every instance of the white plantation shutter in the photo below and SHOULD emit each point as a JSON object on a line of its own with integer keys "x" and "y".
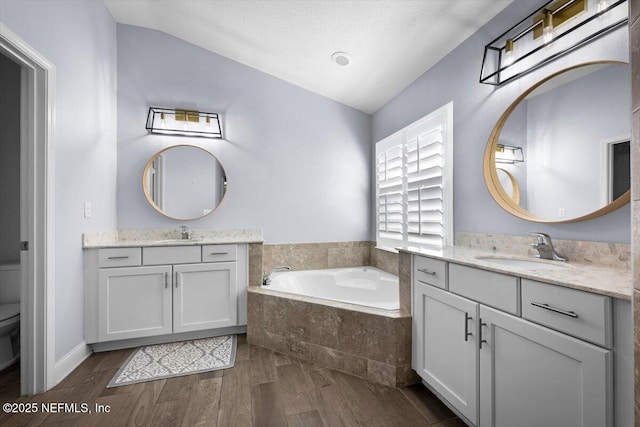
{"x": 424, "y": 190}
{"x": 414, "y": 184}
{"x": 390, "y": 178}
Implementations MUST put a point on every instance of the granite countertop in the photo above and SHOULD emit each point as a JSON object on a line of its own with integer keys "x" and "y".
{"x": 598, "y": 279}
{"x": 169, "y": 237}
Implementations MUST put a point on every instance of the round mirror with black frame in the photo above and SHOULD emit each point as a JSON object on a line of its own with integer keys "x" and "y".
{"x": 565, "y": 140}
{"x": 184, "y": 182}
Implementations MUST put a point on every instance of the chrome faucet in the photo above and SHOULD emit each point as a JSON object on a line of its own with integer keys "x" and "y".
{"x": 545, "y": 247}
{"x": 186, "y": 233}
{"x": 266, "y": 278}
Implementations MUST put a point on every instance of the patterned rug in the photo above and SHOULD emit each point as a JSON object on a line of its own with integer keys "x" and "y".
{"x": 160, "y": 361}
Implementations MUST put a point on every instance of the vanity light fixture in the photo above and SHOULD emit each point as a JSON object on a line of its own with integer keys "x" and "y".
{"x": 509, "y": 55}
{"x": 555, "y": 29}
{"x": 509, "y": 154}
{"x": 602, "y": 5}
{"x": 174, "y": 121}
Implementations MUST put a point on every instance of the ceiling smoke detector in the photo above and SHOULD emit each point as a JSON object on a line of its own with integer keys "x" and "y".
{"x": 342, "y": 59}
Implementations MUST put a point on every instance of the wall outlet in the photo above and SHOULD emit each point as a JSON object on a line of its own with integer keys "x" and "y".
{"x": 561, "y": 213}
{"x": 87, "y": 210}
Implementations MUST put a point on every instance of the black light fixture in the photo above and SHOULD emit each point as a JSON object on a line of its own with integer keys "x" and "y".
{"x": 174, "y": 121}
{"x": 509, "y": 154}
{"x": 555, "y": 29}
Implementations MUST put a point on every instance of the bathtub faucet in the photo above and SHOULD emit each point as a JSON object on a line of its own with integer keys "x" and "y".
{"x": 266, "y": 278}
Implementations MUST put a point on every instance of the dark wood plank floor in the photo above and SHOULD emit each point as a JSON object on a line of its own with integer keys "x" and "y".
{"x": 262, "y": 389}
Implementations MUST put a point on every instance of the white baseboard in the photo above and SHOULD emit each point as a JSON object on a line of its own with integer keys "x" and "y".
{"x": 70, "y": 361}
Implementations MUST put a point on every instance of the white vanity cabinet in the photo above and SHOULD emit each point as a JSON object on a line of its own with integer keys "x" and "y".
{"x": 161, "y": 291}
{"x": 533, "y": 376}
{"x": 495, "y": 368}
{"x": 134, "y": 302}
{"x": 446, "y": 326}
{"x": 204, "y": 296}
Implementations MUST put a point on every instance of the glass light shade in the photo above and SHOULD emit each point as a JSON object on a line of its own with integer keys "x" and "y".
{"x": 168, "y": 121}
{"x": 509, "y": 154}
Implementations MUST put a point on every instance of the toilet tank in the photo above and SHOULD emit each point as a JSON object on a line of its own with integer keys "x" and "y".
{"x": 9, "y": 283}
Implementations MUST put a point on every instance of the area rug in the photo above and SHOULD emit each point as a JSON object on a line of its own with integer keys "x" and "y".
{"x": 176, "y": 359}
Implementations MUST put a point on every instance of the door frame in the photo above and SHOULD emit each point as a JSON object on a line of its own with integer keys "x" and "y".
{"x": 606, "y": 171}
{"x": 37, "y": 337}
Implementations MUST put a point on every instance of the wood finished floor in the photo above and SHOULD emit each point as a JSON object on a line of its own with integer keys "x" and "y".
{"x": 262, "y": 389}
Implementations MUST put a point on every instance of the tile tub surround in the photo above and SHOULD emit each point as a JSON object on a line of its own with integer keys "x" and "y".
{"x": 616, "y": 255}
{"x": 404, "y": 276}
{"x": 315, "y": 256}
{"x": 369, "y": 343}
{"x": 256, "y": 254}
{"x": 158, "y": 237}
{"x": 384, "y": 259}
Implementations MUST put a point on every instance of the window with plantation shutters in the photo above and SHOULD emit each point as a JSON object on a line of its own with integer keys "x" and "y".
{"x": 414, "y": 184}
{"x": 390, "y": 171}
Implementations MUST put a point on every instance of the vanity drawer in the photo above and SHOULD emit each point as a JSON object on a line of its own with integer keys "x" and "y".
{"x": 215, "y": 253}
{"x": 171, "y": 255}
{"x": 430, "y": 271}
{"x": 119, "y": 257}
{"x": 581, "y": 314}
{"x": 487, "y": 287}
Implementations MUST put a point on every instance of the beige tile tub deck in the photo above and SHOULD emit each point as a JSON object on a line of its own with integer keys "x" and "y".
{"x": 370, "y": 343}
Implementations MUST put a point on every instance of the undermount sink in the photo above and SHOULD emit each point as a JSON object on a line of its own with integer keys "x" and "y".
{"x": 523, "y": 263}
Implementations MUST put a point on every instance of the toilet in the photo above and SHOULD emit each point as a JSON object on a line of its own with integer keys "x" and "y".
{"x": 9, "y": 314}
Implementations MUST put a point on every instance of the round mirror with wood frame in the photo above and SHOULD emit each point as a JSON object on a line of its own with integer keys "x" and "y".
{"x": 184, "y": 182}
{"x": 512, "y": 189}
{"x": 496, "y": 142}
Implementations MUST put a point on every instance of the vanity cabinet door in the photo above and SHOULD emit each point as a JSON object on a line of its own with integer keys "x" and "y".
{"x": 445, "y": 328}
{"x": 205, "y": 296}
{"x": 134, "y": 302}
{"x": 531, "y": 376}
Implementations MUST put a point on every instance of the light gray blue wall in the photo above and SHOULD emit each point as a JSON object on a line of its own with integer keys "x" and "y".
{"x": 476, "y": 108}
{"x": 79, "y": 38}
{"x": 297, "y": 164}
{"x": 9, "y": 161}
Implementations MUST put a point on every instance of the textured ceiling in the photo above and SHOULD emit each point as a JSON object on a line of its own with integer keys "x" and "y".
{"x": 391, "y": 42}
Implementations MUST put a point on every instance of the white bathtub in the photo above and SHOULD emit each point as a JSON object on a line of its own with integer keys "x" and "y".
{"x": 366, "y": 286}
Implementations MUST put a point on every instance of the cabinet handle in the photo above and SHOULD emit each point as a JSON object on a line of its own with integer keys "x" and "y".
{"x": 119, "y": 257}
{"x": 177, "y": 279}
{"x": 555, "y": 310}
{"x": 425, "y": 271}
{"x": 467, "y": 334}
{"x": 166, "y": 280}
{"x": 219, "y": 253}
{"x": 481, "y": 339}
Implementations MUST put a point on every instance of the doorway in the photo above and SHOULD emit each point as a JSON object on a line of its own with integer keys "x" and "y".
{"x": 10, "y": 271}
{"x": 615, "y": 168}
{"x": 36, "y": 183}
